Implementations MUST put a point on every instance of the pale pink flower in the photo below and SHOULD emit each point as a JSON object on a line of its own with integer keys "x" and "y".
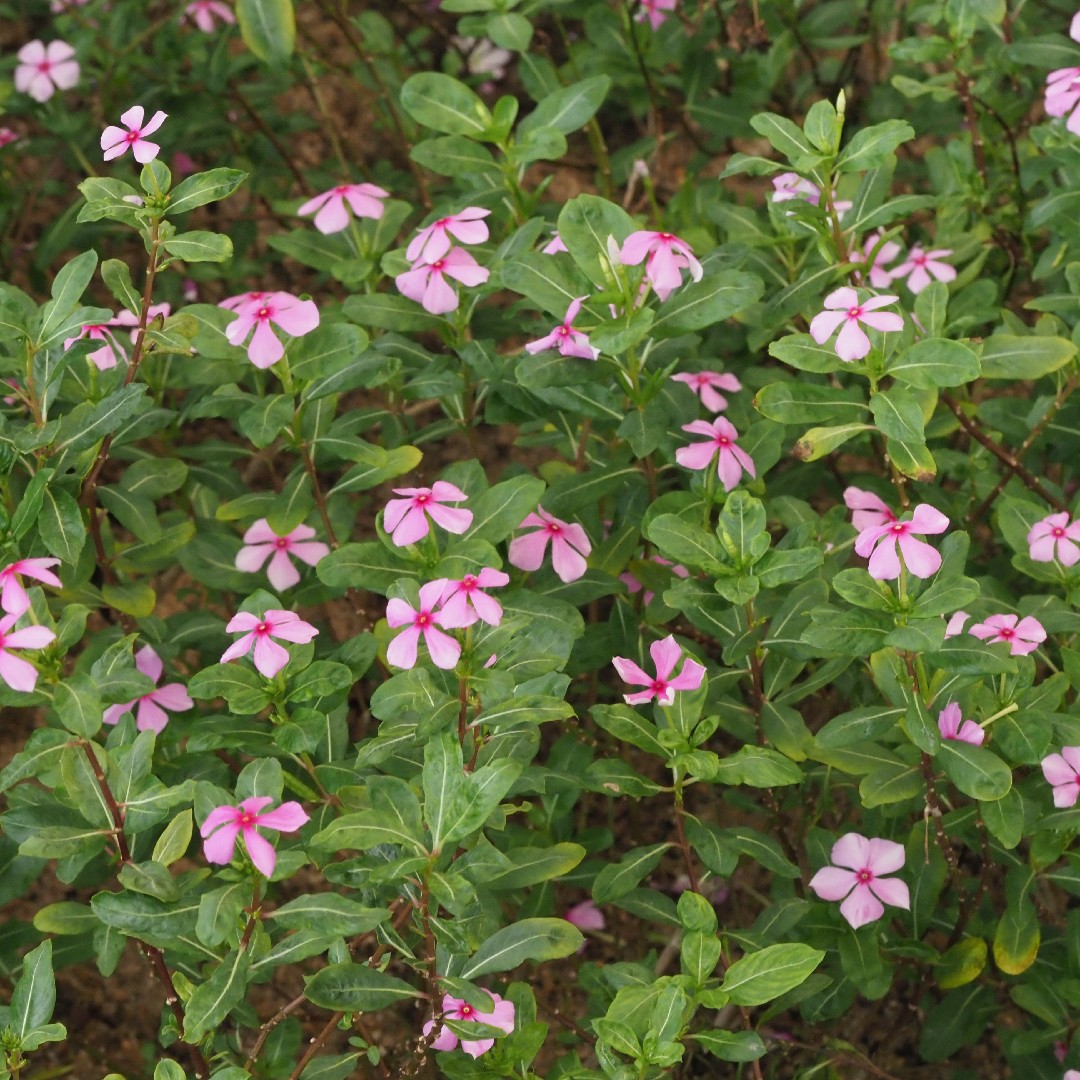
{"x": 259, "y": 631}
{"x": 464, "y": 601}
{"x": 1054, "y": 537}
{"x": 843, "y": 309}
{"x": 19, "y": 674}
{"x": 867, "y": 510}
{"x": 565, "y": 338}
{"x": 791, "y": 185}
{"x": 666, "y": 655}
{"x": 1063, "y": 95}
{"x": 442, "y": 648}
{"x": 585, "y": 916}
{"x": 225, "y": 823}
{"x": 44, "y": 69}
{"x": 406, "y": 519}
{"x": 1023, "y": 635}
{"x": 707, "y": 384}
{"x": 189, "y": 290}
{"x": 501, "y": 1017}
{"x": 554, "y": 245}
{"x": 664, "y": 255}
{"x": 654, "y": 11}
{"x": 130, "y": 319}
{"x": 331, "y": 214}
{"x": 955, "y": 625}
{"x": 7, "y": 136}
{"x": 721, "y": 444}
{"x": 880, "y": 544}
{"x": 1062, "y": 772}
{"x": 295, "y": 316}
{"x": 483, "y": 57}
{"x": 116, "y": 140}
{"x": 244, "y": 300}
{"x": 433, "y": 241}
{"x": 952, "y": 725}
{"x": 569, "y": 545}
{"x": 151, "y": 715}
{"x": 1074, "y": 27}
{"x": 879, "y": 277}
{"x": 106, "y": 357}
{"x": 859, "y": 875}
{"x": 1072, "y": 1074}
{"x": 261, "y": 542}
{"x": 633, "y": 586}
{"x": 203, "y": 14}
{"x": 426, "y": 282}
{"x": 923, "y": 266}
{"x": 13, "y": 597}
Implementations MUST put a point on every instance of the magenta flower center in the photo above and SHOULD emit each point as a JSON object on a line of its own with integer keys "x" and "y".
{"x": 246, "y": 820}
{"x": 1057, "y": 531}
{"x": 423, "y": 620}
{"x": 553, "y": 529}
{"x": 919, "y": 260}
{"x": 44, "y": 66}
{"x": 466, "y": 1012}
{"x": 262, "y": 628}
{"x": 855, "y": 312}
{"x": 899, "y": 528}
{"x": 722, "y": 440}
{"x": 281, "y": 542}
{"x": 263, "y": 313}
{"x": 442, "y": 223}
{"x": 437, "y": 265}
{"x": 1006, "y": 633}
{"x": 563, "y": 330}
{"x": 665, "y": 237}
{"x": 658, "y": 686}
{"x": 132, "y": 136}
{"x": 421, "y": 500}
{"x": 864, "y": 876}
{"x": 468, "y": 583}
{"x": 341, "y": 189}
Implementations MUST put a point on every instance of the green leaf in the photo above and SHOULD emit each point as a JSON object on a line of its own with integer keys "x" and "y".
{"x": 802, "y": 352}
{"x": 388, "y": 311}
{"x": 453, "y": 155}
{"x": 871, "y": 146}
{"x": 174, "y": 840}
{"x": 91, "y": 421}
{"x": 351, "y": 987}
{"x": 498, "y": 511}
{"x": 979, "y": 773}
{"x": 77, "y": 704}
{"x": 530, "y": 866}
{"x": 444, "y": 104}
{"x": 898, "y": 415}
{"x": 444, "y": 781}
{"x": 765, "y": 975}
{"x": 808, "y": 403}
{"x": 268, "y": 28}
{"x": 214, "y": 999}
{"x": 705, "y": 303}
{"x": 363, "y": 830}
{"x": 962, "y": 963}
{"x": 330, "y": 913}
{"x": 526, "y": 939}
{"x": 1016, "y": 939}
{"x": 263, "y": 422}
{"x": 1007, "y": 356}
{"x": 135, "y": 514}
{"x": 935, "y": 362}
{"x": 620, "y": 878}
{"x": 67, "y": 288}
{"x": 202, "y": 188}
{"x": 819, "y": 441}
{"x": 117, "y": 278}
{"x": 200, "y": 246}
{"x": 241, "y": 687}
{"x": 570, "y": 108}
{"x": 34, "y": 995}
{"x": 731, "y": 1045}
{"x": 785, "y": 137}
{"x": 630, "y": 726}
{"x": 60, "y": 526}
{"x": 149, "y": 878}
{"x": 585, "y": 223}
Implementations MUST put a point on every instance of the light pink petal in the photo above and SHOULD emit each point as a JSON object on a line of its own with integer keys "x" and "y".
{"x": 690, "y": 677}
{"x": 442, "y": 648}
{"x": 33, "y": 52}
{"x": 641, "y": 697}
{"x": 145, "y": 151}
{"x": 13, "y": 597}
{"x": 823, "y": 325}
{"x": 113, "y": 141}
{"x": 313, "y": 204}
{"x": 365, "y": 204}
{"x": 242, "y": 620}
{"x": 250, "y": 559}
{"x": 281, "y": 572}
{"x": 885, "y": 857}
{"x": 489, "y": 609}
{"x": 431, "y": 593}
{"x": 475, "y": 1047}
{"x": 696, "y": 455}
{"x": 586, "y": 916}
{"x": 527, "y": 552}
{"x": 237, "y": 330}
{"x": 401, "y": 652}
{"x": 19, "y": 674}
{"x": 568, "y": 564}
{"x": 540, "y": 344}
{"x": 149, "y": 716}
{"x": 832, "y": 883}
{"x": 453, "y": 520}
{"x": 455, "y": 611}
{"x": 333, "y": 217}
{"x": 265, "y": 347}
{"x": 469, "y": 232}
{"x": 149, "y": 663}
{"x": 443, "y": 491}
{"x": 1031, "y": 629}
{"x": 310, "y": 551}
{"x": 288, "y": 817}
{"x": 263, "y": 856}
{"x": 925, "y": 519}
{"x": 30, "y": 637}
{"x": 270, "y": 657}
{"x": 439, "y": 297}
{"x": 1057, "y": 770}
{"x": 970, "y": 732}
{"x": 636, "y": 247}
{"x": 413, "y": 526}
{"x": 851, "y": 342}
{"x": 113, "y": 713}
{"x": 884, "y": 320}
{"x": 892, "y": 891}
{"x": 396, "y": 509}
{"x": 851, "y": 851}
{"x": 445, "y": 1040}
{"x": 238, "y": 648}
{"x": 728, "y": 469}
{"x": 919, "y": 557}
{"x": 630, "y": 673}
{"x": 294, "y": 630}
{"x": 399, "y": 613}
{"x": 1066, "y": 795}
{"x": 295, "y": 317}
{"x": 884, "y": 564}
{"x": 861, "y": 907}
{"x": 219, "y": 847}
{"x": 172, "y": 696}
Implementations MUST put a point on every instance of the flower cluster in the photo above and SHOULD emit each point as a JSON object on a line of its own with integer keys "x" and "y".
{"x": 434, "y": 259}
{"x": 18, "y": 673}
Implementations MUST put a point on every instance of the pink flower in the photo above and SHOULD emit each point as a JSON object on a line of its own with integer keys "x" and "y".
{"x": 880, "y": 543}
{"x": 1023, "y": 635}
{"x": 105, "y": 357}
{"x": 877, "y": 274}
{"x": 633, "y": 586}
{"x": 243, "y": 300}
{"x": 867, "y": 510}
{"x": 203, "y": 13}
{"x": 1063, "y": 95}
{"x": 1062, "y": 772}
{"x": 151, "y": 715}
{"x": 433, "y": 242}
{"x": 442, "y": 648}
{"x": 19, "y": 674}
{"x": 859, "y": 875}
{"x": 654, "y": 11}
{"x": 463, "y": 602}
{"x": 295, "y": 316}
{"x": 554, "y": 245}
{"x": 407, "y": 519}
{"x": 332, "y": 214}
{"x": 952, "y": 725}
{"x": 791, "y": 185}
{"x": 225, "y": 823}
{"x": 501, "y": 1017}
{"x": 13, "y": 597}
{"x": 666, "y": 256}
{"x": 7, "y": 136}
{"x": 665, "y": 654}
{"x": 586, "y": 916}
{"x": 731, "y": 459}
{"x": 261, "y": 541}
{"x": 116, "y": 140}
{"x": 1074, "y": 27}
{"x": 706, "y": 385}
{"x": 569, "y": 545}
{"x": 426, "y": 282}
{"x": 565, "y": 338}
{"x": 44, "y": 69}
{"x": 129, "y": 318}
{"x": 1054, "y": 537}
{"x": 955, "y": 625}
{"x": 842, "y": 307}
{"x": 270, "y": 657}
{"x": 921, "y": 266}
{"x": 184, "y": 165}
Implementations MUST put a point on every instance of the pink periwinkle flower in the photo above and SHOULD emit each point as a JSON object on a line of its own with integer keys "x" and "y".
{"x": 13, "y": 597}
{"x": 843, "y": 309}
{"x": 731, "y": 459}
{"x": 921, "y": 267}
{"x": 331, "y": 214}
{"x": 666, "y": 655}
{"x": 585, "y": 916}
{"x": 955, "y": 625}
{"x": 116, "y": 140}
{"x": 952, "y": 725}
{"x": 554, "y": 245}
{"x": 204, "y": 13}
{"x": 665, "y": 256}
{"x": 7, "y": 136}
{"x": 225, "y": 823}
{"x": 260, "y": 630}
{"x": 295, "y": 316}
{"x": 433, "y": 241}
{"x": 44, "y": 69}
{"x": 130, "y": 319}
{"x": 655, "y": 11}
{"x": 877, "y": 274}
{"x": 1071, "y": 1074}
{"x": 189, "y": 290}
{"x": 406, "y": 519}
{"x": 569, "y": 545}
{"x": 880, "y": 544}
{"x": 105, "y": 357}
{"x": 464, "y": 602}
{"x": 1023, "y": 635}
{"x": 565, "y": 338}
{"x": 424, "y": 620}
{"x": 633, "y": 586}
{"x": 867, "y": 509}
{"x": 1055, "y": 537}
{"x": 1062, "y": 772}
{"x": 1063, "y": 95}
{"x": 708, "y": 384}
{"x": 859, "y": 876}
{"x": 790, "y": 185}
{"x": 243, "y": 300}
{"x": 18, "y": 673}
{"x": 426, "y": 283}
{"x": 501, "y": 1017}
{"x": 261, "y": 542}
{"x": 151, "y": 715}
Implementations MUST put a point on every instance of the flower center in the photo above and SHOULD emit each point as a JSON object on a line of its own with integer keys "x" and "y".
{"x": 665, "y": 237}
{"x": 132, "y": 136}
{"x": 1058, "y": 531}
{"x": 341, "y": 189}
{"x": 281, "y": 542}
{"x": 44, "y": 67}
{"x": 563, "y": 330}
{"x": 262, "y": 313}
{"x": 441, "y": 223}
{"x": 898, "y": 528}
{"x": 421, "y": 500}
{"x": 723, "y": 440}
{"x": 468, "y": 583}
{"x": 466, "y": 1012}
{"x": 423, "y": 620}
{"x": 553, "y": 529}
{"x": 245, "y": 820}
{"x": 854, "y": 313}
{"x": 262, "y": 628}
{"x": 1006, "y": 633}
{"x": 919, "y": 260}
{"x": 438, "y": 265}
{"x": 864, "y": 876}
{"x": 658, "y": 686}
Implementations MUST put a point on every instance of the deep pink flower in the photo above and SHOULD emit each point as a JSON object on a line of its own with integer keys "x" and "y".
{"x": 586, "y": 916}
{"x": 1023, "y": 635}
{"x": 225, "y": 823}
{"x": 952, "y": 725}
{"x": 879, "y": 277}
{"x": 565, "y": 338}
{"x": 554, "y": 245}
{"x": 666, "y": 655}
{"x": 464, "y": 601}
{"x": 270, "y": 657}
{"x": 664, "y": 255}
{"x": 1063, "y": 95}
{"x": 707, "y": 384}
{"x": 867, "y": 510}
{"x": 858, "y": 875}
{"x": 442, "y": 648}
{"x": 332, "y": 215}
{"x": 7, "y": 136}
{"x": 955, "y": 625}
{"x": 501, "y": 1017}
{"x": 295, "y": 316}
{"x": 433, "y": 241}
{"x": 731, "y": 459}
{"x": 842, "y": 308}
{"x": 13, "y": 597}
{"x": 633, "y": 586}
{"x": 426, "y": 282}
{"x": 655, "y": 11}
{"x": 1062, "y": 772}
{"x": 19, "y": 674}
{"x": 569, "y": 545}
{"x": 261, "y": 542}
{"x": 921, "y": 267}
{"x": 106, "y": 357}
{"x": 44, "y": 69}
{"x": 116, "y": 140}
{"x": 151, "y": 715}
{"x": 879, "y": 543}
{"x": 203, "y": 14}
{"x": 1054, "y": 537}
{"x": 406, "y": 519}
